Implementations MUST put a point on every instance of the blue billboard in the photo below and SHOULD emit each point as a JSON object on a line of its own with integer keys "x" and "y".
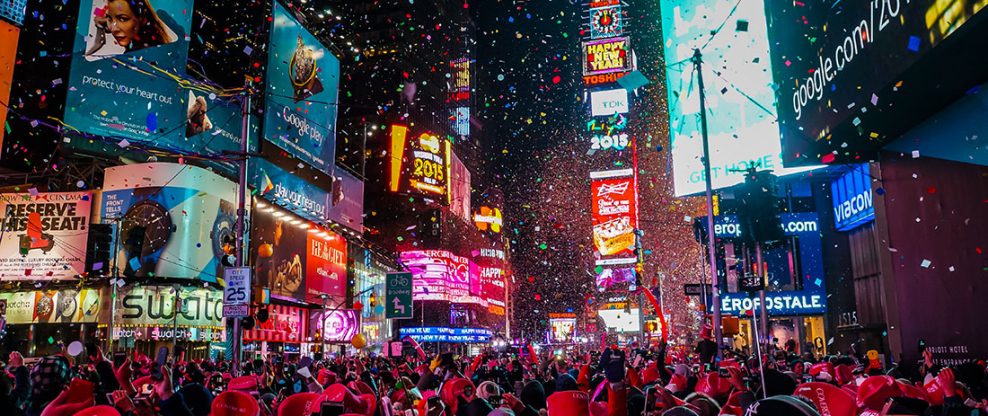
{"x": 114, "y": 89}
{"x": 444, "y": 334}
{"x": 303, "y": 79}
{"x": 812, "y": 299}
{"x": 853, "y": 202}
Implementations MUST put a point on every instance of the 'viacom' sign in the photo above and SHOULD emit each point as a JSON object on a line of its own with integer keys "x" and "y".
{"x": 853, "y": 202}
{"x": 606, "y": 55}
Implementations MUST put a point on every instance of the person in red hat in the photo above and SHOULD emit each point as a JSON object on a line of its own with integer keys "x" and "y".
{"x": 301, "y": 404}
{"x": 706, "y": 348}
{"x": 828, "y": 399}
{"x": 235, "y": 403}
{"x": 570, "y": 403}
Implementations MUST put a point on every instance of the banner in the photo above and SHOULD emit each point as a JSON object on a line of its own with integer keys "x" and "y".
{"x": 114, "y": 90}
{"x": 303, "y": 80}
{"x": 53, "y": 306}
{"x": 43, "y": 236}
{"x": 296, "y": 259}
{"x": 284, "y": 324}
{"x": 188, "y": 215}
{"x": 615, "y": 218}
{"x": 152, "y": 306}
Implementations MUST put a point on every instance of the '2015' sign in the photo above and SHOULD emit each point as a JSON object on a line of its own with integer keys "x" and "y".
{"x": 609, "y": 142}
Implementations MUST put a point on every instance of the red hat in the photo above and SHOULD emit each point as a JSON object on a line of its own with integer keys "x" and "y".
{"x": 634, "y": 379}
{"x": 98, "y": 411}
{"x": 363, "y": 403}
{"x": 732, "y": 363}
{"x": 829, "y": 399}
{"x": 573, "y": 403}
{"x": 243, "y": 383}
{"x": 874, "y": 391}
{"x": 301, "y": 404}
{"x": 452, "y": 389}
{"x": 706, "y": 332}
{"x": 934, "y": 392}
{"x": 651, "y": 373}
{"x": 912, "y": 391}
{"x": 844, "y": 374}
{"x": 424, "y": 402}
{"x": 714, "y": 386}
{"x": 598, "y": 408}
{"x": 583, "y": 378}
{"x": 324, "y": 377}
{"x": 361, "y": 387}
{"x": 733, "y": 405}
{"x": 819, "y": 368}
{"x": 851, "y": 388}
{"x": 234, "y": 403}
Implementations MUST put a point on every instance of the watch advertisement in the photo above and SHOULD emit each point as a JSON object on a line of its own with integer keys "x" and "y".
{"x": 43, "y": 235}
{"x": 173, "y": 221}
{"x": 53, "y": 306}
{"x": 154, "y": 306}
{"x": 303, "y": 79}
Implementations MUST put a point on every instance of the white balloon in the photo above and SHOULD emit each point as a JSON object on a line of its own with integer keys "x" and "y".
{"x": 75, "y": 348}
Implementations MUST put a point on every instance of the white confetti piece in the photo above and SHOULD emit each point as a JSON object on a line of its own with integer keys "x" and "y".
{"x": 925, "y": 264}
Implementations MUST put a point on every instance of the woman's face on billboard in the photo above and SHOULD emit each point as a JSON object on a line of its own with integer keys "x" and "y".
{"x": 124, "y": 25}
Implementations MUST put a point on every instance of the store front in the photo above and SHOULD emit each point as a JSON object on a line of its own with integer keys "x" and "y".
{"x": 370, "y": 274}
{"x": 796, "y": 294}
{"x": 40, "y": 323}
{"x": 282, "y": 334}
{"x": 144, "y": 319}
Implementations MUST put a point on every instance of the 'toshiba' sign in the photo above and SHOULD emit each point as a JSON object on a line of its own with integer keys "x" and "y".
{"x": 604, "y": 56}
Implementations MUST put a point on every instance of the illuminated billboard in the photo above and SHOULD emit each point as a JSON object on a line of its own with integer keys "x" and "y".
{"x": 561, "y": 329}
{"x": 8, "y": 56}
{"x": 338, "y": 326}
{"x": 419, "y": 164}
{"x": 303, "y": 79}
{"x": 614, "y": 216}
{"x": 295, "y": 258}
{"x": 741, "y": 115}
{"x": 875, "y": 48}
{"x": 441, "y": 275}
{"x": 603, "y": 56}
{"x": 114, "y": 89}
{"x": 43, "y": 235}
{"x": 459, "y": 188}
{"x": 618, "y": 320}
{"x": 609, "y": 102}
{"x": 187, "y": 215}
{"x": 617, "y": 279}
{"x": 460, "y": 85}
{"x": 489, "y": 219}
{"x": 606, "y": 22}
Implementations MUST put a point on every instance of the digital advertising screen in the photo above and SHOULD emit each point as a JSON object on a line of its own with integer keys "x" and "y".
{"x": 615, "y": 216}
{"x": 420, "y": 163}
{"x": 441, "y": 275}
{"x": 737, "y": 75}
{"x": 618, "y": 320}
{"x": 459, "y": 188}
{"x": 561, "y": 329}
{"x": 460, "y": 86}
{"x": 53, "y": 306}
{"x": 608, "y": 133}
{"x": 155, "y": 306}
{"x": 840, "y": 85}
{"x": 609, "y": 102}
{"x": 615, "y": 278}
{"x": 603, "y": 56}
{"x": 284, "y": 324}
{"x": 43, "y": 236}
{"x": 114, "y": 90}
{"x": 187, "y": 214}
{"x": 303, "y": 79}
{"x": 295, "y": 258}
{"x": 606, "y": 22}
{"x": 335, "y": 326}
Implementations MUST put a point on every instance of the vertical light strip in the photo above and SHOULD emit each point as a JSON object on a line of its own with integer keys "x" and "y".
{"x": 398, "y": 135}
{"x": 449, "y": 173}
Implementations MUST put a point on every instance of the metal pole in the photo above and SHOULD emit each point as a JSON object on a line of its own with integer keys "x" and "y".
{"x": 712, "y": 252}
{"x": 758, "y": 349}
{"x": 176, "y": 309}
{"x": 241, "y": 226}
{"x": 324, "y": 326}
{"x": 113, "y": 290}
{"x": 761, "y": 293}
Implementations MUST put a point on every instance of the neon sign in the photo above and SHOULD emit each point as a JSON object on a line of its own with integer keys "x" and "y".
{"x": 606, "y": 56}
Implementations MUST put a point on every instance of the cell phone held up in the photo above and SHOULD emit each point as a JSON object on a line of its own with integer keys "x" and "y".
{"x": 159, "y": 361}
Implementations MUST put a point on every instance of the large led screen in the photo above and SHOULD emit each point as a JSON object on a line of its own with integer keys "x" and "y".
{"x": 303, "y": 79}
{"x": 834, "y": 90}
{"x": 295, "y": 258}
{"x": 420, "y": 163}
{"x": 441, "y": 275}
{"x": 737, "y": 73}
{"x": 187, "y": 215}
{"x": 126, "y": 57}
{"x": 615, "y": 217}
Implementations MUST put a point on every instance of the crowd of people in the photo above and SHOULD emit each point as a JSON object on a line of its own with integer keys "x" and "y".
{"x": 610, "y": 381}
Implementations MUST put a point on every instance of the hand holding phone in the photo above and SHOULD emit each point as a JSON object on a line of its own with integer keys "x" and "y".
{"x": 159, "y": 361}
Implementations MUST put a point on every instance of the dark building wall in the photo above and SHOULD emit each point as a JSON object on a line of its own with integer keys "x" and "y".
{"x": 837, "y": 271}
{"x": 932, "y": 232}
